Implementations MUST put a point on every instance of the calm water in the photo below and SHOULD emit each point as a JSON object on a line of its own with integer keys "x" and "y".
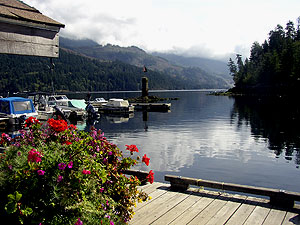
{"x": 243, "y": 141}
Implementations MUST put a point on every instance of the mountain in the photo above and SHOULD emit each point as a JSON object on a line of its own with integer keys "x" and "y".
{"x": 195, "y": 75}
{"x": 209, "y": 65}
{"x": 74, "y": 72}
{"x": 84, "y": 65}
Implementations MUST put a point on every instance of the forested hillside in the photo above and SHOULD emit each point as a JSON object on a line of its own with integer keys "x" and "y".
{"x": 273, "y": 67}
{"x": 73, "y": 72}
{"x": 194, "y": 74}
{"x": 210, "y": 65}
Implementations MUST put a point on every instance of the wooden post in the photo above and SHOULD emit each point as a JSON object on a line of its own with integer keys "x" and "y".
{"x": 145, "y": 88}
{"x": 277, "y": 197}
{"x": 141, "y": 175}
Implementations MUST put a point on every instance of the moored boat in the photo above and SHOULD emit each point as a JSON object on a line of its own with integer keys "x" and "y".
{"x": 16, "y": 110}
{"x": 116, "y": 105}
{"x": 98, "y": 102}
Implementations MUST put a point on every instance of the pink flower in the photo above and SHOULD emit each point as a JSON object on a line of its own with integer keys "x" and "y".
{"x": 34, "y": 156}
{"x": 41, "y": 172}
{"x": 59, "y": 178}
{"x": 70, "y": 164}
{"x": 86, "y": 172}
{"x": 61, "y": 166}
{"x": 78, "y": 222}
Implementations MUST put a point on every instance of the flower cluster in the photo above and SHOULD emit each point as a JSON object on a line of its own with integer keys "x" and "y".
{"x": 74, "y": 175}
{"x": 132, "y": 148}
{"x": 31, "y": 121}
{"x": 5, "y": 139}
{"x": 146, "y": 160}
{"x": 58, "y": 125}
{"x": 34, "y": 156}
{"x": 150, "y": 177}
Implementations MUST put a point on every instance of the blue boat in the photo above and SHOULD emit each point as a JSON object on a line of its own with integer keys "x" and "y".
{"x": 15, "y": 110}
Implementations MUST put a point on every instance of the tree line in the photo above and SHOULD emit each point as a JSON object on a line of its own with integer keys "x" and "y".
{"x": 273, "y": 66}
{"x": 72, "y": 72}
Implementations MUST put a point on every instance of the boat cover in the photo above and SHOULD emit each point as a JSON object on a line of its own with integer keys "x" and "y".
{"x": 16, "y": 105}
{"x": 77, "y": 103}
{"x": 116, "y": 102}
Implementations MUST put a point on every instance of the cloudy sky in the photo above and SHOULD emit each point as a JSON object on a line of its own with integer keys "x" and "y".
{"x": 210, "y": 28}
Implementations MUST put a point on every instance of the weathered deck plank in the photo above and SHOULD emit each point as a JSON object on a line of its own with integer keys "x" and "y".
{"x": 206, "y": 214}
{"x": 192, "y": 211}
{"x": 157, "y": 208}
{"x": 154, "y": 193}
{"x": 243, "y": 212}
{"x": 258, "y": 215}
{"x": 208, "y": 207}
{"x": 226, "y": 211}
{"x": 291, "y": 218}
{"x": 177, "y": 210}
{"x": 275, "y": 216}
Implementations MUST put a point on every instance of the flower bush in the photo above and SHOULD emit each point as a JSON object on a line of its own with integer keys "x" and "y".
{"x": 56, "y": 174}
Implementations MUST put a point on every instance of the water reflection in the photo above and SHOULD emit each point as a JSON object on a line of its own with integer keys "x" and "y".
{"x": 275, "y": 119}
{"x": 244, "y": 141}
{"x": 124, "y": 118}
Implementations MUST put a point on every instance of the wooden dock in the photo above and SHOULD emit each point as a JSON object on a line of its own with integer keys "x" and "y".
{"x": 197, "y": 206}
{"x": 153, "y": 107}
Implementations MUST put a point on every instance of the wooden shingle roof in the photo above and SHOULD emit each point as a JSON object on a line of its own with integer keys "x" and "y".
{"x": 26, "y": 31}
{"x": 19, "y": 11}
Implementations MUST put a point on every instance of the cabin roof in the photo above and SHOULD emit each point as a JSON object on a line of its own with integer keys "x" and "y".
{"x": 21, "y": 12}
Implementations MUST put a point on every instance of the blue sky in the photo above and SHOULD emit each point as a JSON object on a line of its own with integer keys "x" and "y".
{"x": 209, "y": 28}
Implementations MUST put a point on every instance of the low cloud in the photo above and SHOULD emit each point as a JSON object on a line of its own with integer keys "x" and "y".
{"x": 192, "y": 28}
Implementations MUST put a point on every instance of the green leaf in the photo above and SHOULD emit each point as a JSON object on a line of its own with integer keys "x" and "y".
{"x": 27, "y": 211}
{"x": 18, "y": 196}
{"x": 10, "y": 197}
{"x": 11, "y": 207}
{"x": 103, "y": 175}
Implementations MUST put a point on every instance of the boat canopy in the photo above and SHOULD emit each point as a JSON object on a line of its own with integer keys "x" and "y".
{"x": 16, "y": 105}
{"x": 77, "y": 103}
{"x": 116, "y": 102}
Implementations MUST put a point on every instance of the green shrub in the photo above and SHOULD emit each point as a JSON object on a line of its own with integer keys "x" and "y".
{"x": 56, "y": 174}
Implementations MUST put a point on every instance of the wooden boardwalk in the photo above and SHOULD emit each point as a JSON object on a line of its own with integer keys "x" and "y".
{"x": 196, "y": 206}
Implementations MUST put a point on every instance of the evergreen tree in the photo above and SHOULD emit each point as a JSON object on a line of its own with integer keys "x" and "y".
{"x": 274, "y": 65}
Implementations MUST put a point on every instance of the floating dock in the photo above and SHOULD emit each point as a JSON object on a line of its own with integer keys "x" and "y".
{"x": 153, "y": 107}
{"x": 177, "y": 203}
{"x": 198, "y": 206}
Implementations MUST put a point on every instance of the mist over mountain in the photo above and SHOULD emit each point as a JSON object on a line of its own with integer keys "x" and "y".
{"x": 193, "y": 74}
{"x": 209, "y": 65}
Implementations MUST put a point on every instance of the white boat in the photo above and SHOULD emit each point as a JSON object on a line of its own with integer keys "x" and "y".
{"x": 78, "y": 109}
{"x": 98, "y": 102}
{"x": 16, "y": 110}
{"x": 58, "y": 100}
{"x": 116, "y": 105}
{"x": 72, "y": 109}
{"x": 44, "y": 111}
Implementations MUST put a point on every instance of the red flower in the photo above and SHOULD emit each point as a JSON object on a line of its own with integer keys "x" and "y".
{"x": 72, "y": 126}
{"x": 146, "y": 160}
{"x": 31, "y": 120}
{"x": 86, "y": 172}
{"x": 67, "y": 142}
{"x": 58, "y": 125}
{"x": 132, "y": 148}
{"x": 150, "y": 177}
{"x": 34, "y": 156}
